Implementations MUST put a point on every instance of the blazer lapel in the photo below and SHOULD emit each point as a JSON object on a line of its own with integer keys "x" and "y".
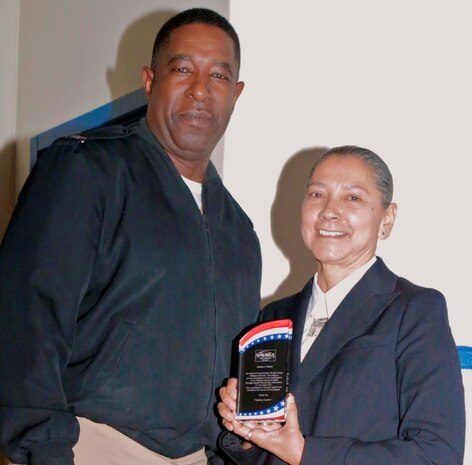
{"x": 359, "y": 309}
{"x": 298, "y": 314}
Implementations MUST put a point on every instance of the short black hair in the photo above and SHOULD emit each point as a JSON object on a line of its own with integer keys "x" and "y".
{"x": 194, "y": 16}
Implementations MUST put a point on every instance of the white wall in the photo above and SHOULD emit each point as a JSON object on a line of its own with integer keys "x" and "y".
{"x": 391, "y": 76}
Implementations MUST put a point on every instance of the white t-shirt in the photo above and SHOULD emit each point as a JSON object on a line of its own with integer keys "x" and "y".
{"x": 196, "y": 190}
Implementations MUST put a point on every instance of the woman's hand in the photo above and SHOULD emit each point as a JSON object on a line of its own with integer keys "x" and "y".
{"x": 227, "y": 406}
{"x": 227, "y": 411}
{"x": 285, "y": 442}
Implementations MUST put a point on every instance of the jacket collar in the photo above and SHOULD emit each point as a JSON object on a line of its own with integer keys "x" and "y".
{"x": 362, "y": 306}
{"x": 143, "y": 131}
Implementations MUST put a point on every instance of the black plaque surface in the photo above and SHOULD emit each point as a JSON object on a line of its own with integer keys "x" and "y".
{"x": 263, "y": 379}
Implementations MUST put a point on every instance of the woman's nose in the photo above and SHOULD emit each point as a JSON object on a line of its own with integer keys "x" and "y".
{"x": 331, "y": 209}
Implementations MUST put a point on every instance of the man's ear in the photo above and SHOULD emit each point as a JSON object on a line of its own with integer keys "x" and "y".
{"x": 237, "y": 91}
{"x": 148, "y": 80}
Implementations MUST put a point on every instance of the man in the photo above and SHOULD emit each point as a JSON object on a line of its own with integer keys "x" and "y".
{"x": 127, "y": 270}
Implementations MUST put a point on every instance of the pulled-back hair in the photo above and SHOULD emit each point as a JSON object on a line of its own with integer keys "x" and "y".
{"x": 194, "y": 16}
{"x": 382, "y": 176}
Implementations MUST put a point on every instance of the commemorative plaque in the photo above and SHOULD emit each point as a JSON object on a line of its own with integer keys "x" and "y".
{"x": 263, "y": 372}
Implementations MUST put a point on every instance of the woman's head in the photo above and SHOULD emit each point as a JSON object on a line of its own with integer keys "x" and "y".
{"x": 347, "y": 207}
{"x": 383, "y": 177}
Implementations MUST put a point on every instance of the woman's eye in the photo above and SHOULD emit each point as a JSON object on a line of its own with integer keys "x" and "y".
{"x": 354, "y": 198}
{"x": 315, "y": 195}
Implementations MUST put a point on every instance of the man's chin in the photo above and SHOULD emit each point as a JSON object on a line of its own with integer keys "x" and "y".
{"x": 196, "y": 147}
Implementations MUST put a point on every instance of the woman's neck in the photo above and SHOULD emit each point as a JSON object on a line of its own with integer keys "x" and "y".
{"x": 330, "y": 275}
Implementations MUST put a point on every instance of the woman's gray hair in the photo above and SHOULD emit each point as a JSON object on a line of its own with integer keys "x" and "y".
{"x": 382, "y": 176}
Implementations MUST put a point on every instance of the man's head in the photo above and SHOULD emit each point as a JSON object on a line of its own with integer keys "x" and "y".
{"x": 192, "y": 87}
{"x": 194, "y": 16}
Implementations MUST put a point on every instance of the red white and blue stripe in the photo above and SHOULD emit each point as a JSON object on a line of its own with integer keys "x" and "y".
{"x": 270, "y": 331}
{"x": 274, "y": 413}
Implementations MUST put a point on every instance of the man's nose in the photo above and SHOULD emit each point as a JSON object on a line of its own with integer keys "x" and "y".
{"x": 199, "y": 87}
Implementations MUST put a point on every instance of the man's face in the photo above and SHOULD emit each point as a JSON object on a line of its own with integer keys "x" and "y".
{"x": 192, "y": 91}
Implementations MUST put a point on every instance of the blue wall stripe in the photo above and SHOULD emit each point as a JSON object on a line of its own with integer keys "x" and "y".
{"x": 92, "y": 119}
{"x": 465, "y": 354}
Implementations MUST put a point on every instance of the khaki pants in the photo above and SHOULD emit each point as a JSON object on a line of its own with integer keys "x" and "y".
{"x": 101, "y": 445}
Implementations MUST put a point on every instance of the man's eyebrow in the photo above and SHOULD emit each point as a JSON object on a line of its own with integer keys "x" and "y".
{"x": 185, "y": 57}
{"x": 225, "y": 65}
{"x": 178, "y": 57}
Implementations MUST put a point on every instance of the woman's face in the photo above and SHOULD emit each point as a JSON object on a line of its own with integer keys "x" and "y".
{"x": 342, "y": 213}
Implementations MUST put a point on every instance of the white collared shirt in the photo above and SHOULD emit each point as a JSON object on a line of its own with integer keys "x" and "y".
{"x": 323, "y": 304}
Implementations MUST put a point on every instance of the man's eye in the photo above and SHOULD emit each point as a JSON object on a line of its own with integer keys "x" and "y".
{"x": 219, "y": 76}
{"x": 182, "y": 70}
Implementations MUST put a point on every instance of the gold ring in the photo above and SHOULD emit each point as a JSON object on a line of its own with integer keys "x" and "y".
{"x": 248, "y": 435}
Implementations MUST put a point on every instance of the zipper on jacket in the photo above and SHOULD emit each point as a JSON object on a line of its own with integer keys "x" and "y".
{"x": 207, "y": 232}
{"x": 213, "y": 291}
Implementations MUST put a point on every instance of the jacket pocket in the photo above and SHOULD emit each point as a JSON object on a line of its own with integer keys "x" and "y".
{"x": 366, "y": 376}
{"x": 103, "y": 367}
{"x": 366, "y": 342}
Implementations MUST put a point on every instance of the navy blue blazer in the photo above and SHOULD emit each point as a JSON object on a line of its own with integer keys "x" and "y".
{"x": 382, "y": 382}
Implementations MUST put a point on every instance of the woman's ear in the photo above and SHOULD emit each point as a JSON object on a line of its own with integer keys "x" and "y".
{"x": 388, "y": 221}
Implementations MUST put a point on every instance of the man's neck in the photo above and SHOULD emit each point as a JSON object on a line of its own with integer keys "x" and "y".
{"x": 193, "y": 170}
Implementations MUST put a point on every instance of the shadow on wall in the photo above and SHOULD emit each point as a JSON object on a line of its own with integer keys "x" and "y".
{"x": 134, "y": 51}
{"x": 285, "y": 221}
{"x": 7, "y": 185}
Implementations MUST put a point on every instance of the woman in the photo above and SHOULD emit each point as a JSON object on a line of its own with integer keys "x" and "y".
{"x": 375, "y": 371}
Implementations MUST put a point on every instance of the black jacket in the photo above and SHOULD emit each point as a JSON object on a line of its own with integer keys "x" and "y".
{"x": 119, "y": 300}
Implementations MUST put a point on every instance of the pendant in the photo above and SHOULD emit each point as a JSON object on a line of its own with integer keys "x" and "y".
{"x": 316, "y": 327}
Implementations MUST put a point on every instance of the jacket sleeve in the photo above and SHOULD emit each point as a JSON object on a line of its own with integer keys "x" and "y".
{"x": 45, "y": 264}
{"x": 431, "y": 429}
{"x": 231, "y": 445}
